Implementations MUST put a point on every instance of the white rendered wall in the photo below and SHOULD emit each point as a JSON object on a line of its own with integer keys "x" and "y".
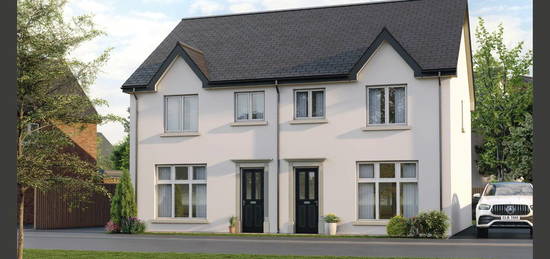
{"x": 457, "y": 173}
{"x": 342, "y": 142}
{"x": 217, "y": 144}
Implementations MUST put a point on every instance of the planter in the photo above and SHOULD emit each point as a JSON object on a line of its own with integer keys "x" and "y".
{"x": 233, "y": 230}
{"x": 332, "y": 228}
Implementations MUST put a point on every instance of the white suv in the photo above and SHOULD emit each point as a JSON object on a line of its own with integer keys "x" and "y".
{"x": 505, "y": 205}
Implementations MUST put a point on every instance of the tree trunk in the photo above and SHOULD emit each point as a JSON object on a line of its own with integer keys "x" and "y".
{"x": 20, "y": 239}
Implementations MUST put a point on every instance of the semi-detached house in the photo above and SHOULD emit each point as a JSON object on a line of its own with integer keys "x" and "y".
{"x": 281, "y": 117}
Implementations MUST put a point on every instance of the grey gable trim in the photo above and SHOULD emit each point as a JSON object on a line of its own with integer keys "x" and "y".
{"x": 177, "y": 51}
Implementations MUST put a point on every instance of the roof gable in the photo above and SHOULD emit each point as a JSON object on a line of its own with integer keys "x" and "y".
{"x": 328, "y": 43}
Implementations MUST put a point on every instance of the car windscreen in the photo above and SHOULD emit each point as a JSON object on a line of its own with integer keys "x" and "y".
{"x": 509, "y": 189}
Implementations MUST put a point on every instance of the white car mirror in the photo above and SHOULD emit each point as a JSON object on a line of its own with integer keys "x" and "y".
{"x": 477, "y": 195}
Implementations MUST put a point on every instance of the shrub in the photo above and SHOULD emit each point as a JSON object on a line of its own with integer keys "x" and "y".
{"x": 112, "y": 227}
{"x": 123, "y": 204}
{"x": 132, "y": 226}
{"x": 232, "y": 221}
{"x": 331, "y": 218}
{"x": 432, "y": 224}
{"x": 398, "y": 226}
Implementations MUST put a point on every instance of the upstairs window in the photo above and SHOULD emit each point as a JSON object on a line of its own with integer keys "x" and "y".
{"x": 387, "y": 105}
{"x": 249, "y": 106}
{"x": 309, "y": 104}
{"x": 181, "y": 113}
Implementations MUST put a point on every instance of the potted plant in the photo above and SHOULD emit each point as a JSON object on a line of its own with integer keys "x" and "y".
{"x": 233, "y": 224}
{"x": 332, "y": 221}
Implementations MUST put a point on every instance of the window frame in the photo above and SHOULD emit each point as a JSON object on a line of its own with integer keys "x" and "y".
{"x": 398, "y": 180}
{"x": 387, "y": 104}
{"x": 235, "y": 105}
{"x": 182, "y": 97}
{"x": 310, "y": 104}
{"x": 172, "y": 182}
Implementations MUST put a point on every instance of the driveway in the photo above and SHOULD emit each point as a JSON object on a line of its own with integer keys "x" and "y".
{"x": 94, "y": 239}
{"x": 498, "y": 233}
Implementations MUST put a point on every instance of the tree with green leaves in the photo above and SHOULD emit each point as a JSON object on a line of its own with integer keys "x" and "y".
{"x": 121, "y": 151}
{"x": 504, "y": 99}
{"x": 123, "y": 204}
{"x": 51, "y": 96}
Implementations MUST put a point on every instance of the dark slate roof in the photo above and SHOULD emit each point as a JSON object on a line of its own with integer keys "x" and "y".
{"x": 312, "y": 43}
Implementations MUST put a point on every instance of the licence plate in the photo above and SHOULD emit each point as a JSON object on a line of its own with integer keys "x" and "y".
{"x": 509, "y": 217}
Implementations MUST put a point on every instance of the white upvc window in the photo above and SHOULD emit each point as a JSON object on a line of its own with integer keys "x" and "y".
{"x": 181, "y": 113}
{"x": 249, "y": 106}
{"x": 386, "y": 189}
{"x": 387, "y": 105}
{"x": 181, "y": 191}
{"x": 309, "y": 104}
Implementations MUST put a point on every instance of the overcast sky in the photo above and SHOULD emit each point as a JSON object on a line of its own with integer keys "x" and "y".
{"x": 135, "y": 27}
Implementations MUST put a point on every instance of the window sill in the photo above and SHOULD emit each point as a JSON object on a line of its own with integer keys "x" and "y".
{"x": 248, "y": 123}
{"x": 373, "y": 222}
{"x": 180, "y": 134}
{"x": 386, "y": 127}
{"x": 179, "y": 221}
{"x": 308, "y": 121}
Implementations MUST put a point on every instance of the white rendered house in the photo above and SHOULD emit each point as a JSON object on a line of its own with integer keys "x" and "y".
{"x": 281, "y": 117}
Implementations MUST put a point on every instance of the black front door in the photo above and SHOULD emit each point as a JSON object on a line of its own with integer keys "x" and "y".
{"x": 307, "y": 199}
{"x": 253, "y": 200}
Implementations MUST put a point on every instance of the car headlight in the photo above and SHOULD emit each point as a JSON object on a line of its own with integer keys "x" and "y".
{"x": 531, "y": 207}
{"x": 484, "y": 206}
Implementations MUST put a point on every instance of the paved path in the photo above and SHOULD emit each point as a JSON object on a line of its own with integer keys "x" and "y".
{"x": 461, "y": 248}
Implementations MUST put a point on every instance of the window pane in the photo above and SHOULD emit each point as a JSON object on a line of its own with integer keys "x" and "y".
{"x": 242, "y": 106}
{"x": 366, "y": 171}
{"x": 257, "y": 106}
{"x": 259, "y": 185}
{"x": 387, "y": 170}
{"x": 318, "y": 103}
{"x": 387, "y": 199}
{"x": 376, "y": 106}
{"x": 302, "y": 184}
{"x": 182, "y": 173}
{"x": 191, "y": 113}
{"x": 199, "y": 200}
{"x": 311, "y": 187}
{"x": 366, "y": 204}
{"x": 164, "y": 173}
{"x": 182, "y": 200}
{"x": 164, "y": 200}
{"x": 397, "y": 104}
{"x": 199, "y": 173}
{"x": 173, "y": 113}
{"x": 248, "y": 177}
{"x": 301, "y": 104}
{"x": 408, "y": 170}
{"x": 409, "y": 199}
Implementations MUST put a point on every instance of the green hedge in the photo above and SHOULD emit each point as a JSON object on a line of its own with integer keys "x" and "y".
{"x": 431, "y": 224}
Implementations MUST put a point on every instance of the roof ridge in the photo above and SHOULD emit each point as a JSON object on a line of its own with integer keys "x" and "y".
{"x": 300, "y": 9}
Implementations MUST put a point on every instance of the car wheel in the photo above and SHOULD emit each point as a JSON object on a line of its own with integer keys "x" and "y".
{"x": 531, "y": 232}
{"x": 482, "y": 232}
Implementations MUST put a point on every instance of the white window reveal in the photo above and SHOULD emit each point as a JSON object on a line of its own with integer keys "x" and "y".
{"x": 181, "y": 191}
{"x": 387, "y": 105}
{"x": 386, "y": 189}
{"x": 309, "y": 104}
{"x": 249, "y": 106}
{"x": 181, "y": 113}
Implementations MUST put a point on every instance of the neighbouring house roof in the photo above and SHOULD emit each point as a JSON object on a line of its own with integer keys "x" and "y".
{"x": 105, "y": 148}
{"x": 323, "y": 43}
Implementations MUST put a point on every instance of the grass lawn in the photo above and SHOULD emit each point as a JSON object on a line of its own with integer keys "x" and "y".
{"x": 54, "y": 254}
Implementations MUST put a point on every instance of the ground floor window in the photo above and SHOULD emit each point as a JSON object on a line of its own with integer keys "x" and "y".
{"x": 181, "y": 191}
{"x": 386, "y": 189}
